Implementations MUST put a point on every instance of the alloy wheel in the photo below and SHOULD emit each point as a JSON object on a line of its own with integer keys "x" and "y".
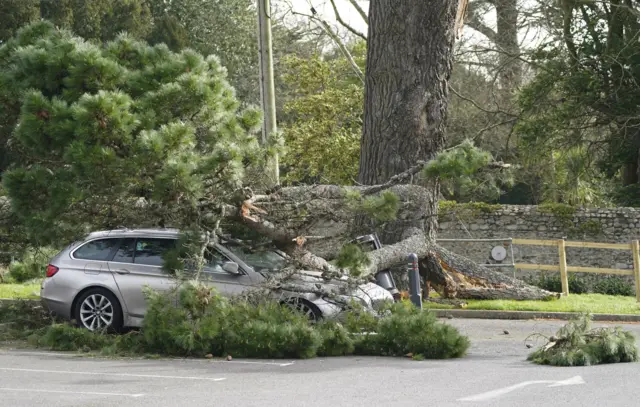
{"x": 96, "y": 312}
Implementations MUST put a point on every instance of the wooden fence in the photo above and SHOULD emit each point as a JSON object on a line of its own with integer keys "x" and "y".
{"x": 563, "y": 268}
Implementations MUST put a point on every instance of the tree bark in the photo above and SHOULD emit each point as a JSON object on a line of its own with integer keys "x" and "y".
{"x": 313, "y": 223}
{"x": 409, "y": 60}
{"x": 508, "y": 45}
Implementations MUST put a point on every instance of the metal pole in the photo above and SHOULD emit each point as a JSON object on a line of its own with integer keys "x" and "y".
{"x": 267, "y": 84}
{"x": 414, "y": 281}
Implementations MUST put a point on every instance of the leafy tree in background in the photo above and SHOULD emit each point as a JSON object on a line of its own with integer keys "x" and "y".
{"x": 228, "y": 29}
{"x": 118, "y": 134}
{"x": 100, "y": 20}
{"x": 323, "y": 136}
{"x": 581, "y": 110}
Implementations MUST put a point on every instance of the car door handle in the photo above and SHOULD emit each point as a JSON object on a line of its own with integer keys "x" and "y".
{"x": 123, "y": 271}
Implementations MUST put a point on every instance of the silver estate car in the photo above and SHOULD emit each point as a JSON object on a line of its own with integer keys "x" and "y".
{"x": 99, "y": 281}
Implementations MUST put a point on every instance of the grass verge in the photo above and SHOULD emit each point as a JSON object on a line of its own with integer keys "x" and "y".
{"x": 591, "y": 303}
{"x": 20, "y": 291}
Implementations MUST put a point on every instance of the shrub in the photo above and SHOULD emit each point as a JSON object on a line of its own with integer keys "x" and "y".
{"x": 19, "y": 319}
{"x": 552, "y": 282}
{"x": 408, "y": 330}
{"x": 576, "y": 344}
{"x": 613, "y": 286}
{"x": 32, "y": 265}
{"x": 205, "y": 323}
{"x": 65, "y": 337}
{"x": 336, "y": 339}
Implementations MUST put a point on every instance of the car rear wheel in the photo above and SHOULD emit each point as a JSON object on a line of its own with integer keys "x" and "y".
{"x": 306, "y": 308}
{"x": 98, "y": 310}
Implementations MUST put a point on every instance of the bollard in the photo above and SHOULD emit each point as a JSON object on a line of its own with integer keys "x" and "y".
{"x": 414, "y": 281}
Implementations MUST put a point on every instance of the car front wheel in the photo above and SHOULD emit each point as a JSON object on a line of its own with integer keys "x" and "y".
{"x": 98, "y": 310}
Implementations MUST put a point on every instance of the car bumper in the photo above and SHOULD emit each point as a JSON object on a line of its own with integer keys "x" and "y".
{"x": 56, "y": 308}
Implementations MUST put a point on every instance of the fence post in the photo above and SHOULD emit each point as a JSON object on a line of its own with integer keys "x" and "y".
{"x": 414, "y": 281}
{"x": 562, "y": 254}
{"x": 635, "y": 249}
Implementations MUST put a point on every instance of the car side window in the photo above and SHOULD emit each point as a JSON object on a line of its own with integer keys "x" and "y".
{"x": 150, "y": 252}
{"x": 214, "y": 260}
{"x": 125, "y": 252}
{"x": 97, "y": 250}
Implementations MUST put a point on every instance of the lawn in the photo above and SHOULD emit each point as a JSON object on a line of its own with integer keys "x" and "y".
{"x": 26, "y": 291}
{"x": 594, "y": 303}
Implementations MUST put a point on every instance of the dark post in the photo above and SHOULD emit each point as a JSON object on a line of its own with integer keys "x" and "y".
{"x": 414, "y": 281}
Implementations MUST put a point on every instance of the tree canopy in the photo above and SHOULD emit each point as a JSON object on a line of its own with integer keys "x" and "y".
{"x": 117, "y": 134}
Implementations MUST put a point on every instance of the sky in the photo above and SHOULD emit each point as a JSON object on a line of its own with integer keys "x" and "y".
{"x": 352, "y": 17}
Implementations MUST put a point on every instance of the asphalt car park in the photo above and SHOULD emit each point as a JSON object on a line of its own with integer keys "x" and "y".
{"x": 495, "y": 373}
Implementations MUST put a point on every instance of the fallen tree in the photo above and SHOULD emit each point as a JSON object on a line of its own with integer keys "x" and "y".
{"x": 313, "y": 223}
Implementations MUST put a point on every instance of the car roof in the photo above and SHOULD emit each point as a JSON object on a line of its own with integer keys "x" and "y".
{"x": 157, "y": 232}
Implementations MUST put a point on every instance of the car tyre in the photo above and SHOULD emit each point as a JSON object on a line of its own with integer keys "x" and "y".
{"x": 98, "y": 309}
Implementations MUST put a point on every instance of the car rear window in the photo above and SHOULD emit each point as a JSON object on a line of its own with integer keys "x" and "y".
{"x": 98, "y": 250}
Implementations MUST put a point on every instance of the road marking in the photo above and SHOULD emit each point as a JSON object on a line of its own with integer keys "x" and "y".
{"x": 150, "y": 376}
{"x": 84, "y": 393}
{"x": 500, "y": 392}
{"x": 56, "y": 354}
{"x": 246, "y": 362}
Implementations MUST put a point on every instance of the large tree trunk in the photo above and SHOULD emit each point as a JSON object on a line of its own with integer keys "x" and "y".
{"x": 409, "y": 60}
{"x": 508, "y": 45}
{"x": 314, "y": 222}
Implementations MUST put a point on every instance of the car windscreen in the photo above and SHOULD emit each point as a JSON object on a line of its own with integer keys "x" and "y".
{"x": 259, "y": 259}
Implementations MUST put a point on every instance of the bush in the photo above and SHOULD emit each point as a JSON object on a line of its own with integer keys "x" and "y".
{"x": 65, "y": 337}
{"x": 614, "y": 286}
{"x": 552, "y": 282}
{"x": 576, "y": 344}
{"x": 205, "y": 323}
{"x": 19, "y": 319}
{"x": 336, "y": 339}
{"x": 32, "y": 265}
{"x": 410, "y": 331}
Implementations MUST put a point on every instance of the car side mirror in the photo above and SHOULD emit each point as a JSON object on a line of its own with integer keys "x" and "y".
{"x": 231, "y": 267}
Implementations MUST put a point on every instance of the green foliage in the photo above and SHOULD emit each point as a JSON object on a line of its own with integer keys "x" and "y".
{"x": 553, "y": 283}
{"x": 562, "y": 212}
{"x": 579, "y": 112}
{"x": 464, "y": 211}
{"x": 381, "y": 208}
{"x": 590, "y": 228}
{"x": 421, "y": 333}
{"x": 576, "y": 344}
{"x": 32, "y": 265}
{"x": 324, "y": 125}
{"x": 119, "y": 134}
{"x": 336, "y": 339}
{"x": 614, "y": 286}
{"x": 99, "y": 20}
{"x": 204, "y": 323}
{"x": 65, "y": 337}
{"x": 352, "y": 258}
{"x": 463, "y": 171}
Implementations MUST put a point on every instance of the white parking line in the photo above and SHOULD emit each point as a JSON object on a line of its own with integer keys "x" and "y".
{"x": 84, "y": 393}
{"x": 246, "y": 362}
{"x": 150, "y": 376}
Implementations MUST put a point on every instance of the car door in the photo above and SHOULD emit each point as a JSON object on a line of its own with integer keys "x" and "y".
{"x": 93, "y": 256}
{"x": 138, "y": 264}
{"x": 225, "y": 283}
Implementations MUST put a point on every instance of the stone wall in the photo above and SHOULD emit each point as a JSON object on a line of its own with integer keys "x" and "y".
{"x": 615, "y": 225}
